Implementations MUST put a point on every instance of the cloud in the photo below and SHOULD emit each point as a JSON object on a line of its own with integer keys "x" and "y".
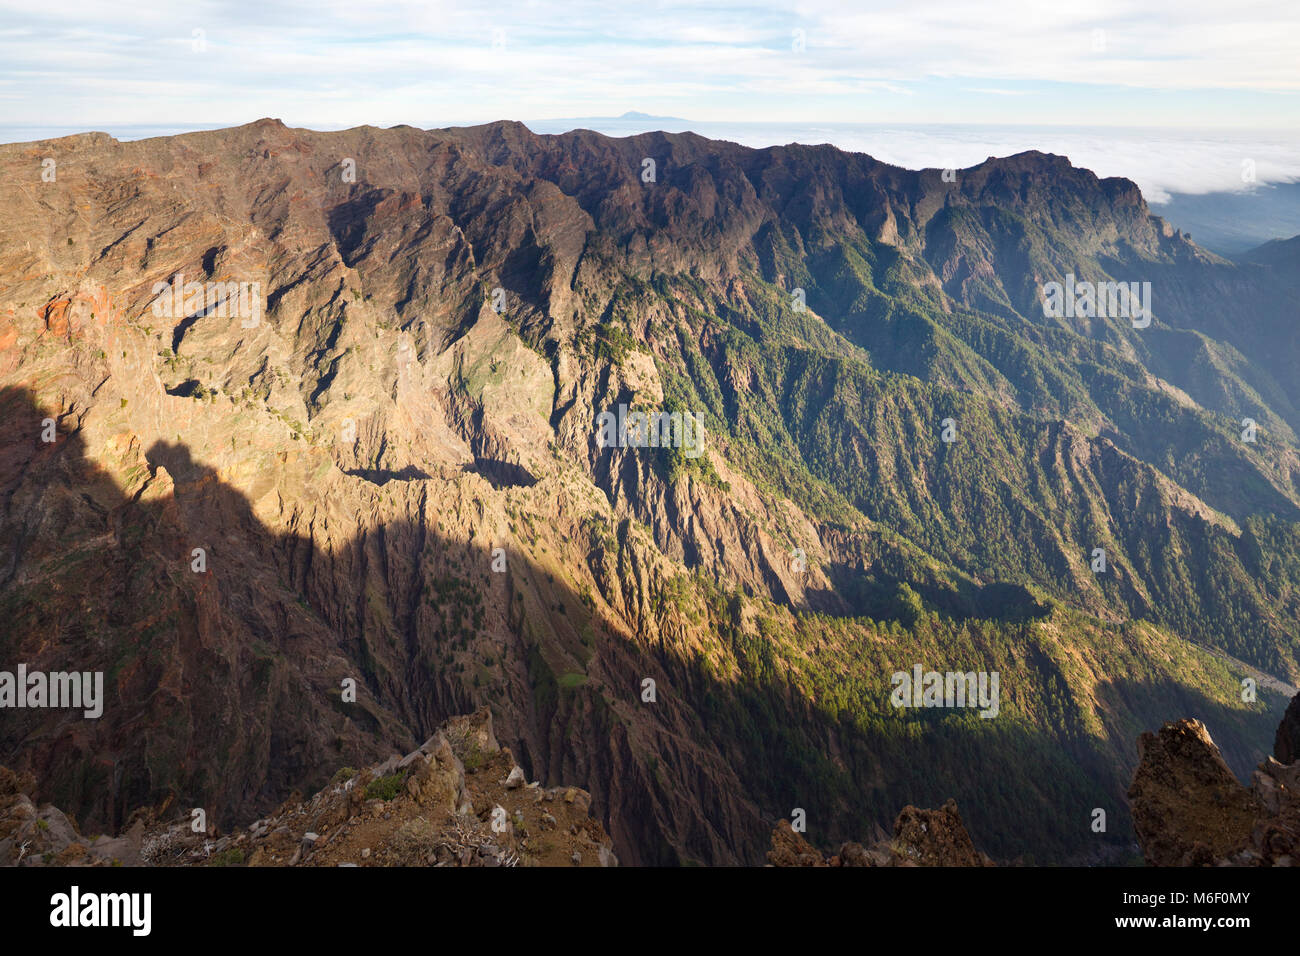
{"x": 390, "y": 61}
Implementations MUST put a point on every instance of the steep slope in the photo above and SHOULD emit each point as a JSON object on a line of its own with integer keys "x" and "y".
{"x": 440, "y": 318}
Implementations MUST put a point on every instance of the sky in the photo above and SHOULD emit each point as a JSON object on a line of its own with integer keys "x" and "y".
{"x": 1223, "y": 77}
{"x": 351, "y": 62}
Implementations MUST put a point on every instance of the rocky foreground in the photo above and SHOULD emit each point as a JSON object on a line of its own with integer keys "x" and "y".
{"x": 921, "y": 838}
{"x": 459, "y": 800}
{"x": 1189, "y": 809}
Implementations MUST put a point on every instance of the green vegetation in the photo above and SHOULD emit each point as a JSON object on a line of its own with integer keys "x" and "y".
{"x": 1070, "y": 686}
{"x": 819, "y": 424}
{"x": 979, "y": 551}
{"x": 474, "y": 759}
{"x": 612, "y": 344}
{"x": 386, "y": 788}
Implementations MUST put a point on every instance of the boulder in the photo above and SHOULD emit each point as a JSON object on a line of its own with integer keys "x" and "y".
{"x": 514, "y": 779}
{"x": 1187, "y": 805}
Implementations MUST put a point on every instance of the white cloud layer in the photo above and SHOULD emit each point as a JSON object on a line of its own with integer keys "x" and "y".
{"x": 386, "y": 62}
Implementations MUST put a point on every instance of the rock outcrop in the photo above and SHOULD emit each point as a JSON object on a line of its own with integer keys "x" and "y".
{"x": 1189, "y": 809}
{"x": 921, "y": 838}
{"x": 1286, "y": 745}
{"x": 458, "y": 800}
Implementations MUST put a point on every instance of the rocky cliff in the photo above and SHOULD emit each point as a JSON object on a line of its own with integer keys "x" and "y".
{"x": 298, "y": 525}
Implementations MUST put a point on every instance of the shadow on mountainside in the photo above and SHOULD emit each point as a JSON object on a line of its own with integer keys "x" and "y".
{"x": 1140, "y": 707}
{"x": 224, "y": 686}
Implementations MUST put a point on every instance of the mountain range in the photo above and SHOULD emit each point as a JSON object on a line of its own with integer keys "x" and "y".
{"x": 303, "y": 535}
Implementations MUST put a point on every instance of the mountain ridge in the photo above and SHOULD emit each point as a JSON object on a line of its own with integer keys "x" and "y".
{"x": 827, "y": 536}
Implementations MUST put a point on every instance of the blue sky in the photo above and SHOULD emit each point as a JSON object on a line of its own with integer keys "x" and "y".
{"x": 332, "y": 63}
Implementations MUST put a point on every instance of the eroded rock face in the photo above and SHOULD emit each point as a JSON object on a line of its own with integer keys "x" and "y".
{"x": 921, "y": 838}
{"x": 351, "y": 462}
{"x": 1189, "y": 809}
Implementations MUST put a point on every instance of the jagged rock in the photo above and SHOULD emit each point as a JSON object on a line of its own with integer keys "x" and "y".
{"x": 1189, "y": 809}
{"x": 472, "y": 732}
{"x": 921, "y": 838}
{"x": 791, "y": 849}
{"x": 438, "y": 780}
{"x": 579, "y": 799}
{"x": 412, "y": 757}
{"x": 934, "y": 838}
{"x": 855, "y": 854}
{"x": 421, "y": 825}
{"x": 1187, "y": 805}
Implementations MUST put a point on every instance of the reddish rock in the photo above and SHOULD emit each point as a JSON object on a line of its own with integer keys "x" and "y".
{"x": 1189, "y": 809}
{"x": 934, "y": 838}
{"x": 791, "y": 849}
{"x": 921, "y": 838}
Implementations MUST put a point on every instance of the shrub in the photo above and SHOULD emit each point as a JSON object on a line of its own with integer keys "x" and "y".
{"x": 385, "y": 788}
